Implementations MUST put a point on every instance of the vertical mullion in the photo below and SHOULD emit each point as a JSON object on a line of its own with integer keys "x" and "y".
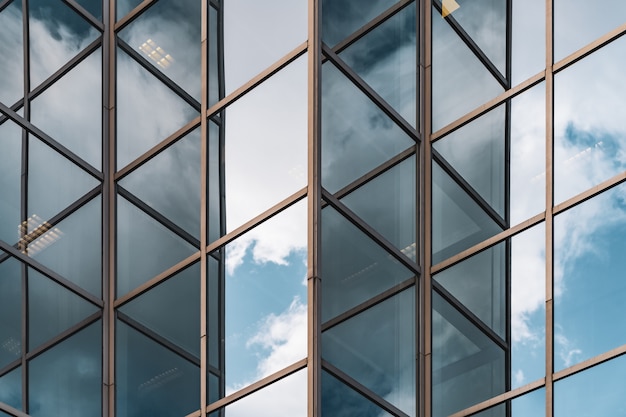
{"x": 203, "y": 203}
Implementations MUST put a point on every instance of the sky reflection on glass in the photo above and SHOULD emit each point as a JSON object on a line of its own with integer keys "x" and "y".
{"x": 11, "y": 51}
{"x": 10, "y": 174}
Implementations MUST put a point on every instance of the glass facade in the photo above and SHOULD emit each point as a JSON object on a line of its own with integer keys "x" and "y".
{"x": 410, "y": 208}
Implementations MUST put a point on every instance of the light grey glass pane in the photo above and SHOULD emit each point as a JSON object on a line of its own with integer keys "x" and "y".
{"x": 52, "y": 308}
{"x": 265, "y": 297}
{"x": 57, "y": 33}
{"x": 589, "y": 134}
{"x": 528, "y": 39}
{"x": 386, "y": 59}
{"x": 357, "y": 135}
{"x": 598, "y": 391}
{"x": 148, "y": 110}
{"x": 215, "y": 184}
{"x": 216, "y": 80}
{"x": 477, "y": 153}
{"x": 392, "y": 212}
{"x": 167, "y": 35}
{"x": 54, "y": 183}
{"x": 338, "y": 400}
{"x": 10, "y": 311}
{"x": 67, "y": 379}
{"x": 123, "y": 7}
{"x": 479, "y": 283}
{"x": 579, "y": 22}
{"x": 11, "y": 51}
{"x": 92, "y": 6}
{"x": 145, "y": 247}
{"x": 589, "y": 285}
{"x": 460, "y": 81}
{"x": 172, "y": 309}
{"x": 527, "y": 156}
{"x": 528, "y": 405}
{"x": 258, "y": 33}
{"x": 70, "y": 110}
{"x": 265, "y": 155}
{"x": 73, "y": 247}
{"x": 355, "y": 268}
{"x": 458, "y": 222}
{"x": 11, "y": 388}
{"x": 151, "y": 380}
{"x": 170, "y": 183}
{"x": 377, "y": 349}
{"x": 341, "y": 18}
{"x": 10, "y": 181}
{"x": 468, "y": 367}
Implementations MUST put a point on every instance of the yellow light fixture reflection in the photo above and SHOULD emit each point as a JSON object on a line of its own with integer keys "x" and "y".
{"x": 156, "y": 53}
{"x": 41, "y": 235}
{"x": 448, "y": 6}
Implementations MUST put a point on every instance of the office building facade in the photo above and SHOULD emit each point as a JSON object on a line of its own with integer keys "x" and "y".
{"x": 312, "y": 208}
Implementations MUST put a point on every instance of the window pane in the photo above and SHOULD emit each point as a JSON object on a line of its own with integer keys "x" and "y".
{"x": 11, "y": 388}
{"x": 339, "y": 400}
{"x": 11, "y": 51}
{"x": 10, "y": 311}
{"x": 528, "y": 39}
{"x": 341, "y": 18}
{"x": 10, "y": 180}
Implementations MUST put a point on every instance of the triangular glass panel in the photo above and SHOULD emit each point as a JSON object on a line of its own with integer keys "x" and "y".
{"x": 357, "y": 135}
{"x": 12, "y": 53}
{"x": 477, "y": 152}
{"x": 11, "y": 389}
{"x": 77, "y": 123}
{"x": 386, "y": 59}
{"x": 147, "y": 110}
{"x": 172, "y": 309}
{"x": 460, "y": 81}
{"x": 10, "y": 181}
{"x": 383, "y": 357}
{"x": 458, "y": 221}
{"x": 57, "y": 33}
{"x": 392, "y": 212}
{"x": 80, "y": 235}
{"x": 170, "y": 183}
{"x": 341, "y": 18}
{"x": 52, "y": 308}
{"x": 145, "y": 247}
{"x": 123, "y": 7}
{"x": 338, "y": 400}
{"x": 355, "y": 268}
{"x": 92, "y": 6}
{"x": 54, "y": 183}
{"x": 10, "y": 311}
{"x": 174, "y": 52}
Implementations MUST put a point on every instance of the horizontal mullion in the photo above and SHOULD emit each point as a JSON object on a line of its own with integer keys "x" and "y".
{"x": 133, "y": 14}
{"x": 11, "y": 366}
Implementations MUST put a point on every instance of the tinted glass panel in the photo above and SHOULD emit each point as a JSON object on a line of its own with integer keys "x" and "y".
{"x": 215, "y": 185}
{"x": 338, "y": 400}
{"x": 532, "y": 404}
{"x": 92, "y": 6}
{"x": 528, "y": 39}
{"x": 11, "y": 389}
{"x": 341, "y": 18}
{"x": 10, "y": 177}
{"x": 123, "y": 7}
{"x": 10, "y": 311}
{"x": 11, "y": 51}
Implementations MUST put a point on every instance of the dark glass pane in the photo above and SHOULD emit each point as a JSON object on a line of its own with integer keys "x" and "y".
{"x": 147, "y": 110}
{"x": 528, "y": 39}
{"x": 338, "y": 400}
{"x": 214, "y": 184}
{"x": 392, "y": 212}
{"x": 10, "y": 311}
{"x": 145, "y": 247}
{"x": 214, "y": 388}
{"x": 70, "y": 110}
{"x": 357, "y": 135}
{"x": 92, "y": 6}
{"x": 377, "y": 349}
{"x": 11, "y": 51}
{"x": 458, "y": 222}
{"x": 479, "y": 283}
{"x": 167, "y": 35}
{"x": 57, "y": 33}
{"x": 216, "y": 80}
{"x": 589, "y": 285}
{"x": 52, "y": 308}
{"x": 355, "y": 268}
{"x": 54, "y": 183}
{"x": 341, "y": 18}
{"x": 214, "y": 313}
{"x": 589, "y": 135}
{"x": 477, "y": 153}
{"x": 11, "y": 388}
{"x": 123, "y": 7}
{"x": 67, "y": 379}
{"x": 10, "y": 180}
{"x": 467, "y": 366}
{"x": 386, "y": 59}
{"x": 172, "y": 309}
{"x": 170, "y": 183}
{"x": 460, "y": 81}
{"x": 151, "y": 380}
{"x": 73, "y": 247}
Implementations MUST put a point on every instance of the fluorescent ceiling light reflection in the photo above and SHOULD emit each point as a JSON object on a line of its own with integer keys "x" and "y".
{"x": 41, "y": 236}
{"x": 156, "y": 53}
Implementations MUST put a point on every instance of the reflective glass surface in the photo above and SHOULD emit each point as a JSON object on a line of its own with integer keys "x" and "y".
{"x": 341, "y": 18}
{"x": 589, "y": 285}
{"x": 10, "y": 311}
{"x": 216, "y": 75}
{"x": 11, "y": 51}
{"x": 589, "y": 135}
{"x": 382, "y": 358}
{"x": 10, "y": 177}
{"x": 339, "y": 400}
{"x": 123, "y": 7}
{"x": 57, "y": 33}
{"x": 145, "y": 247}
{"x": 531, "y": 404}
{"x": 92, "y": 6}
{"x": 215, "y": 184}
{"x": 167, "y": 35}
{"x": 11, "y": 388}
{"x": 355, "y": 268}
{"x": 357, "y": 135}
{"x": 170, "y": 183}
{"x": 67, "y": 379}
{"x": 528, "y": 39}
{"x": 70, "y": 110}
